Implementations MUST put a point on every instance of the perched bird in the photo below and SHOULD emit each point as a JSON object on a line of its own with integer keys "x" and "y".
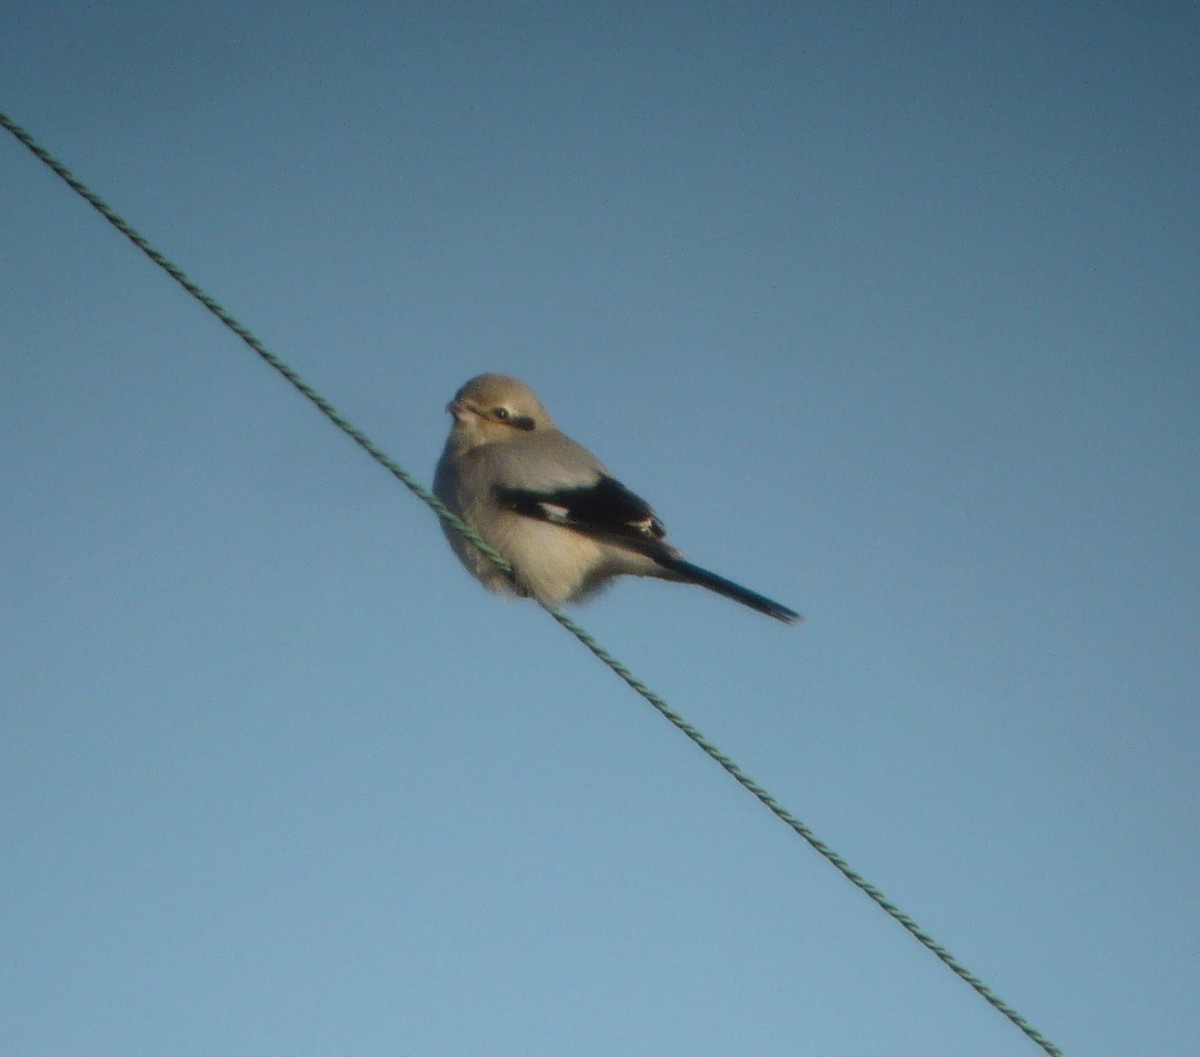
{"x": 549, "y": 507}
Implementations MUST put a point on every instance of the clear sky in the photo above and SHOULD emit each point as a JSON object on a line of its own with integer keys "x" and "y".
{"x": 892, "y": 312}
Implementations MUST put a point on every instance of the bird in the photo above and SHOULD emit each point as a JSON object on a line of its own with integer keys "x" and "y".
{"x": 546, "y": 505}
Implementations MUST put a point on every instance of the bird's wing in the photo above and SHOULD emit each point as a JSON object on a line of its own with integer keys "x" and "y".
{"x": 604, "y": 509}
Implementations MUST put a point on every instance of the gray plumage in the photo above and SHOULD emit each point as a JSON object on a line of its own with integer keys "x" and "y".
{"x": 550, "y": 507}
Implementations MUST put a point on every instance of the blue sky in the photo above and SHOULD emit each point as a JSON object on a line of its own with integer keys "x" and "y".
{"x": 891, "y": 312}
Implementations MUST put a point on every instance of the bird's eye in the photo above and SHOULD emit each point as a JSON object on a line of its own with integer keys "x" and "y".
{"x": 501, "y": 414}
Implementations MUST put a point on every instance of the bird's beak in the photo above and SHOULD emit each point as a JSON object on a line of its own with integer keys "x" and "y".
{"x": 458, "y": 409}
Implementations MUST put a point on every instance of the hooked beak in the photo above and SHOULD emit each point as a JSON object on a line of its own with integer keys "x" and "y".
{"x": 459, "y": 409}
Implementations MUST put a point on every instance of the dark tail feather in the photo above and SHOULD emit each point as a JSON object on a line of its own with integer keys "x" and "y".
{"x": 693, "y": 574}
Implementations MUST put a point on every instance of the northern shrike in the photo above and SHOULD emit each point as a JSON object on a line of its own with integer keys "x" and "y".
{"x": 546, "y": 505}
{"x": 549, "y": 507}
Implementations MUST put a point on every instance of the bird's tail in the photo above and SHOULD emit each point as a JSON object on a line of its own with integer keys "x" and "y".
{"x": 693, "y": 574}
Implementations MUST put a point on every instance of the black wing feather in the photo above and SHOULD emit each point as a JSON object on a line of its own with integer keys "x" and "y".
{"x": 606, "y": 510}
{"x": 609, "y": 511}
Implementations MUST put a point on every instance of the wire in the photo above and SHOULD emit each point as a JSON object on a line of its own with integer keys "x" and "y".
{"x": 376, "y": 453}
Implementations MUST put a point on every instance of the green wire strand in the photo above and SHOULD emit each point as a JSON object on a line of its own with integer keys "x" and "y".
{"x": 439, "y": 508}
{"x": 268, "y": 357}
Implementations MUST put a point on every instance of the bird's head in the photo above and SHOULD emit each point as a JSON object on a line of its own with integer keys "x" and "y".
{"x": 494, "y": 407}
